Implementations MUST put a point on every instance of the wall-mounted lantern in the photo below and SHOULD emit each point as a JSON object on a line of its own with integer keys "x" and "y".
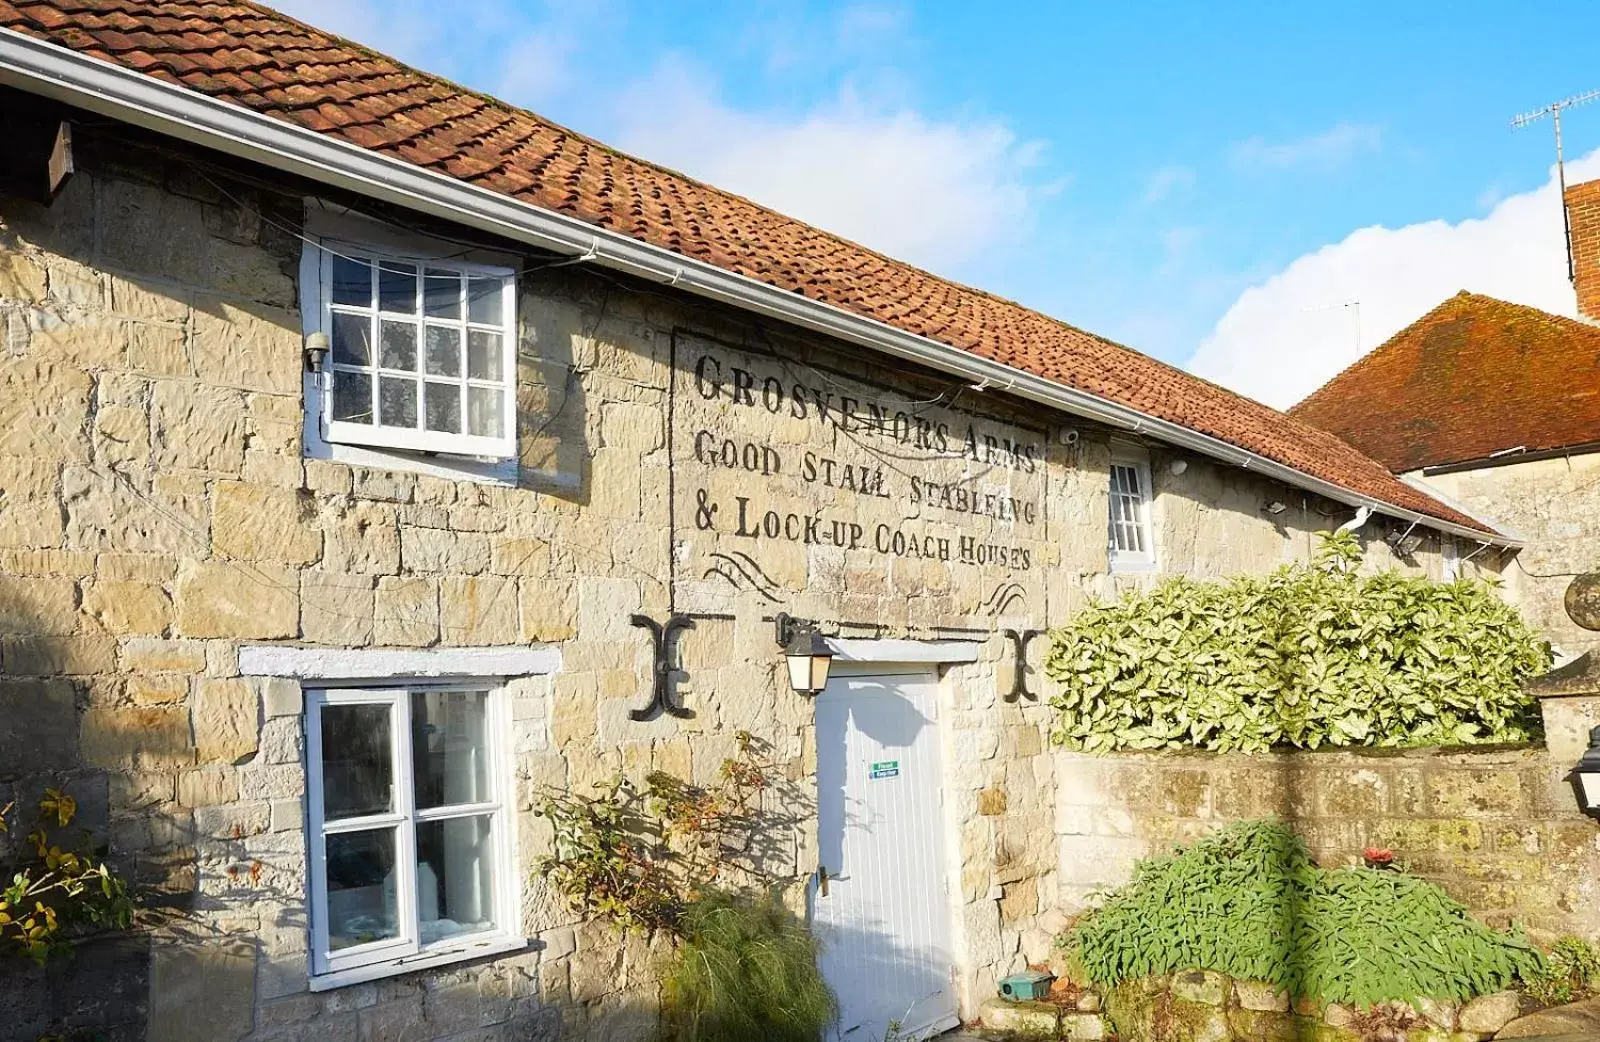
{"x": 807, "y": 653}
{"x": 1586, "y": 776}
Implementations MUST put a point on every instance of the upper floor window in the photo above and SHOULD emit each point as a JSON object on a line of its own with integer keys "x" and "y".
{"x": 409, "y": 823}
{"x": 422, "y": 353}
{"x": 1130, "y": 540}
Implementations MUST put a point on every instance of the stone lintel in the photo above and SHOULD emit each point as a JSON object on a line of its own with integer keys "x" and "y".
{"x": 271, "y": 660}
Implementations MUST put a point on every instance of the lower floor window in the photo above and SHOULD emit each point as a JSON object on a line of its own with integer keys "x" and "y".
{"x": 409, "y": 831}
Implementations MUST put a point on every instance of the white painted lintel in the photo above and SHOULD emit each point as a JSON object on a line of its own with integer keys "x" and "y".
{"x": 851, "y": 649}
{"x": 276, "y": 660}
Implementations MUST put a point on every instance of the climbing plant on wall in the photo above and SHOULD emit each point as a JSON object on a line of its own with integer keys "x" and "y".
{"x": 50, "y": 888}
{"x": 1308, "y": 655}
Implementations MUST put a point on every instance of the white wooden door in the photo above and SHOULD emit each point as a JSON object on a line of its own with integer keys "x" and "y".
{"x": 883, "y": 915}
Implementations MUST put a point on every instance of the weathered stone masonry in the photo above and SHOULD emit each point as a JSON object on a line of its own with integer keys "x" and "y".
{"x": 157, "y": 513}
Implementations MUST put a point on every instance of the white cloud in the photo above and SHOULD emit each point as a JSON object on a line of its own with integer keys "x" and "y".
{"x": 936, "y": 193}
{"x": 1284, "y": 338}
{"x": 1332, "y": 147}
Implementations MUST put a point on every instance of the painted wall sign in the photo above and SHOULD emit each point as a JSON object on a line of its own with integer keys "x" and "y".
{"x": 885, "y": 769}
{"x": 779, "y": 462}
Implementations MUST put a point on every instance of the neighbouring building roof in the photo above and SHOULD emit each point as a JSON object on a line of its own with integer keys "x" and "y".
{"x": 256, "y": 58}
{"x": 1473, "y": 377}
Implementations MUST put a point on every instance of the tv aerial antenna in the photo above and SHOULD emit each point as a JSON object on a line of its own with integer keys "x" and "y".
{"x": 1554, "y": 110}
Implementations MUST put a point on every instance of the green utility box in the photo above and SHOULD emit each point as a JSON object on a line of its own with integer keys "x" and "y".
{"x": 1026, "y": 987}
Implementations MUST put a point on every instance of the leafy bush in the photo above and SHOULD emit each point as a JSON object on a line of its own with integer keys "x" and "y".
{"x": 1305, "y": 656}
{"x": 636, "y": 856}
{"x": 1571, "y": 971}
{"x": 747, "y": 969}
{"x": 1247, "y": 901}
{"x": 54, "y": 887}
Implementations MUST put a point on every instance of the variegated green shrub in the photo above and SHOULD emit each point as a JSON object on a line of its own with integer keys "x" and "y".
{"x": 1306, "y": 656}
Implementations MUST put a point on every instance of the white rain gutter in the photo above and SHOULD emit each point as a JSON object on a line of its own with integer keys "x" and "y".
{"x": 56, "y": 72}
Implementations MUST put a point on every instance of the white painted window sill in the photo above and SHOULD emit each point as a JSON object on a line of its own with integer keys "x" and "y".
{"x": 1131, "y": 567}
{"x": 480, "y": 948}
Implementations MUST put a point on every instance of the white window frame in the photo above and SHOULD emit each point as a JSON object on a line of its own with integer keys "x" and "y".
{"x": 406, "y": 952}
{"x": 1450, "y": 568}
{"x": 1137, "y": 460}
{"x": 343, "y": 432}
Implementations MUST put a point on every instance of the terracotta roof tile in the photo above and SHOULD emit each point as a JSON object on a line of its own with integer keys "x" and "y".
{"x": 1472, "y": 377}
{"x": 254, "y": 57}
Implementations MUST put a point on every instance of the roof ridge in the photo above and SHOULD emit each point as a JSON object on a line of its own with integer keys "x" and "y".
{"x": 1363, "y": 360}
{"x": 542, "y": 164}
{"x": 1472, "y": 375}
{"x": 502, "y": 104}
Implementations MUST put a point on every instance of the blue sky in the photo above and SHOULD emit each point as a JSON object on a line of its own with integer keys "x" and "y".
{"x": 1257, "y": 191}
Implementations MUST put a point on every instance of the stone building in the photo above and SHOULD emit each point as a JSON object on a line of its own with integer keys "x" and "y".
{"x": 339, "y": 405}
{"x": 1495, "y": 408}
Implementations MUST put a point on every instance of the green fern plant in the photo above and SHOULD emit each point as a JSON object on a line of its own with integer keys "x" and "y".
{"x": 1249, "y": 902}
{"x": 1309, "y": 655}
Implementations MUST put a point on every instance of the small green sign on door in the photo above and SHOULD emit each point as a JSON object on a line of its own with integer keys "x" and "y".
{"x": 885, "y": 769}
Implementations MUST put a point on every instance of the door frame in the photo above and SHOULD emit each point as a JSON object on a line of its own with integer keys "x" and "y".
{"x": 928, "y": 659}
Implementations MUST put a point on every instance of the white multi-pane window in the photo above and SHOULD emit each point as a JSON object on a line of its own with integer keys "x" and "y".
{"x": 409, "y": 839}
{"x": 1130, "y": 540}
{"x": 421, "y": 354}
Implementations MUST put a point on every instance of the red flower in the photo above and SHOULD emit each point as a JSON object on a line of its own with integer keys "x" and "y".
{"x": 1377, "y": 857}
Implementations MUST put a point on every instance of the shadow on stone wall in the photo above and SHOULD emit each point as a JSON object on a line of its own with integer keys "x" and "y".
{"x": 98, "y": 989}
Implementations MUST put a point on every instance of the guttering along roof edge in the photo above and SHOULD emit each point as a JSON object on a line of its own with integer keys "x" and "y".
{"x": 46, "y": 69}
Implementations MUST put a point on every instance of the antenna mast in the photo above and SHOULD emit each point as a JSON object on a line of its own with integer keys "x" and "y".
{"x": 1553, "y": 110}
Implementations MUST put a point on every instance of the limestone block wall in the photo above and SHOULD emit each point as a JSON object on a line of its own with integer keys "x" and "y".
{"x": 1552, "y": 504}
{"x": 1499, "y": 829}
{"x": 158, "y": 513}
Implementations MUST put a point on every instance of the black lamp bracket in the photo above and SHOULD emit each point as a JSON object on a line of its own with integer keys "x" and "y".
{"x": 1020, "y": 639}
{"x": 786, "y": 626}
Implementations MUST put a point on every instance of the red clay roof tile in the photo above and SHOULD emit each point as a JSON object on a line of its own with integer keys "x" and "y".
{"x": 378, "y": 104}
{"x": 1472, "y": 377}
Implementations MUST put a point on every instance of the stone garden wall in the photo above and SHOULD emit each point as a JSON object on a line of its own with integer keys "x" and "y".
{"x": 1499, "y": 829}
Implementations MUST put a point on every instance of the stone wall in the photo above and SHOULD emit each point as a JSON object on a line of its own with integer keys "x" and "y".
{"x": 1200, "y": 1004}
{"x": 1551, "y": 504}
{"x": 1499, "y": 829}
{"x": 158, "y": 512}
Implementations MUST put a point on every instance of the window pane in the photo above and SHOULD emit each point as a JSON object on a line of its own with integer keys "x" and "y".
{"x": 352, "y": 282}
{"x": 449, "y": 747}
{"x": 352, "y": 339}
{"x": 397, "y": 402}
{"x": 352, "y": 397}
{"x": 397, "y": 287}
{"x": 483, "y": 411}
{"x": 357, "y": 761}
{"x": 483, "y": 301}
{"x": 455, "y": 877}
{"x": 361, "y": 888}
{"x": 441, "y": 294}
{"x": 444, "y": 351}
{"x": 444, "y": 407}
{"x": 483, "y": 355}
{"x": 399, "y": 345}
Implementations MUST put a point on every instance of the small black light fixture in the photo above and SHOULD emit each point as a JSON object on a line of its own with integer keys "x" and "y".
{"x": 1586, "y": 776}
{"x": 807, "y": 653}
